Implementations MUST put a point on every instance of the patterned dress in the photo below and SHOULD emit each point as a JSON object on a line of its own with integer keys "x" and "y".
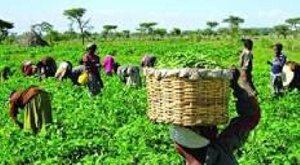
{"x": 95, "y": 83}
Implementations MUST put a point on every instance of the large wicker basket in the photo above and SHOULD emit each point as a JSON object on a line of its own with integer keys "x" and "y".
{"x": 188, "y": 96}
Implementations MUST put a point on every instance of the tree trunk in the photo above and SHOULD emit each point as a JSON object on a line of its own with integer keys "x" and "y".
{"x": 82, "y": 38}
{"x": 81, "y": 30}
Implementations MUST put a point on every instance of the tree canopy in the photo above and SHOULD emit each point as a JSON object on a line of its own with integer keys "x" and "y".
{"x": 76, "y": 15}
{"x": 212, "y": 24}
{"x": 4, "y": 27}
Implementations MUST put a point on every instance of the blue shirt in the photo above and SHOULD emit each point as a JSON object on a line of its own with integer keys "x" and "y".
{"x": 278, "y": 64}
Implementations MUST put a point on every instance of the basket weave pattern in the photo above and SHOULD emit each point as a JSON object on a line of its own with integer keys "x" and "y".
{"x": 184, "y": 102}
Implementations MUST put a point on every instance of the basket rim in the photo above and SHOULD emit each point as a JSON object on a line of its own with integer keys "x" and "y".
{"x": 190, "y": 73}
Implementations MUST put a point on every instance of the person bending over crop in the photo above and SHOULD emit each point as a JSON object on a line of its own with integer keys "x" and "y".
{"x": 108, "y": 64}
{"x": 217, "y": 149}
{"x": 76, "y": 72}
{"x": 246, "y": 64}
{"x": 295, "y": 67}
{"x": 46, "y": 67}
{"x": 148, "y": 61}
{"x": 276, "y": 70}
{"x": 91, "y": 62}
{"x": 28, "y": 69}
{"x": 37, "y": 108}
{"x": 130, "y": 75}
{"x": 64, "y": 70}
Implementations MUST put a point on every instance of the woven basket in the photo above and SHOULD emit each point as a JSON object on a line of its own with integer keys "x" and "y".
{"x": 178, "y": 100}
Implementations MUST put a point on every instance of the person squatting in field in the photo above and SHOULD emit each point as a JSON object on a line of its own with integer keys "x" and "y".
{"x": 37, "y": 108}
{"x": 276, "y": 69}
{"x": 130, "y": 75}
{"x": 246, "y": 65}
{"x": 64, "y": 70}
{"x": 46, "y": 67}
{"x": 91, "y": 62}
{"x": 28, "y": 68}
{"x": 108, "y": 64}
{"x": 217, "y": 149}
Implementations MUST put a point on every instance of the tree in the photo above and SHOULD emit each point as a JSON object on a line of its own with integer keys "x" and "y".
{"x": 212, "y": 24}
{"x": 161, "y": 32}
{"x": 175, "y": 32}
{"x": 126, "y": 34}
{"x": 282, "y": 30}
{"x": 108, "y": 29}
{"x": 76, "y": 15}
{"x": 294, "y": 25}
{"x": 44, "y": 27}
{"x": 147, "y": 27}
{"x": 4, "y": 27}
{"x": 234, "y": 24}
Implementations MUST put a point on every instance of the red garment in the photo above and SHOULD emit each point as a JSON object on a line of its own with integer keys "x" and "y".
{"x": 28, "y": 70}
{"x": 20, "y": 99}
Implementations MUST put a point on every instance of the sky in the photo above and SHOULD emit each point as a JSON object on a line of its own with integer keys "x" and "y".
{"x": 127, "y": 14}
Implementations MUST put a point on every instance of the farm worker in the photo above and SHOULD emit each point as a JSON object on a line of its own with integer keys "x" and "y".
{"x": 28, "y": 69}
{"x": 148, "y": 61}
{"x": 91, "y": 62}
{"x": 76, "y": 72}
{"x": 46, "y": 67}
{"x": 276, "y": 69}
{"x": 292, "y": 75}
{"x": 5, "y": 72}
{"x": 130, "y": 75}
{"x": 64, "y": 70}
{"x": 37, "y": 108}
{"x": 246, "y": 64}
{"x": 212, "y": 148}
{"x": 108, "y": 64}
{"x": 116, "y": 67}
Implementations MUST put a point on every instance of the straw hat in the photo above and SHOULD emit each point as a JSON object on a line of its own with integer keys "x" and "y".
{"x": 187, "y": 137}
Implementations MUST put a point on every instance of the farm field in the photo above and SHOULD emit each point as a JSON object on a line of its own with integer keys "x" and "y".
{"x": 113, "y": 128}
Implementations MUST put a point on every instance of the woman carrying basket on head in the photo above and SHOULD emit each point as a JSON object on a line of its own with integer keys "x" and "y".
{"x": 205, "y": 146}
{"x": 91, "y": 62}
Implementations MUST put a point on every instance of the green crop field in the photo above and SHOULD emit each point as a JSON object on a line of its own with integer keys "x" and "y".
{"x": 113, "y": 128}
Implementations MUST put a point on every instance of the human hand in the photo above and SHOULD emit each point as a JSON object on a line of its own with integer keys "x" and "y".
{"x": 269, "y": 62}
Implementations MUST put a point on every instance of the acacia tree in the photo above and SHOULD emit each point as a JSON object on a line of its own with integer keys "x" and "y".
{"x": 282, "y": 30}
{"x": 211, "y": 27}
{"x": 148, "y": 27}
{"x": 212, "y": 24}
{"x": 234, "y": 24}
{"x": 76, "y": 15}
{"x": 126, "y": 34}
{"x": 4, "y": 28}
{"x": 161, "y": 32}
{"x": 175, "y": 32}
{"x": 294, "y": 25}
{"x": 108, "y": 29}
